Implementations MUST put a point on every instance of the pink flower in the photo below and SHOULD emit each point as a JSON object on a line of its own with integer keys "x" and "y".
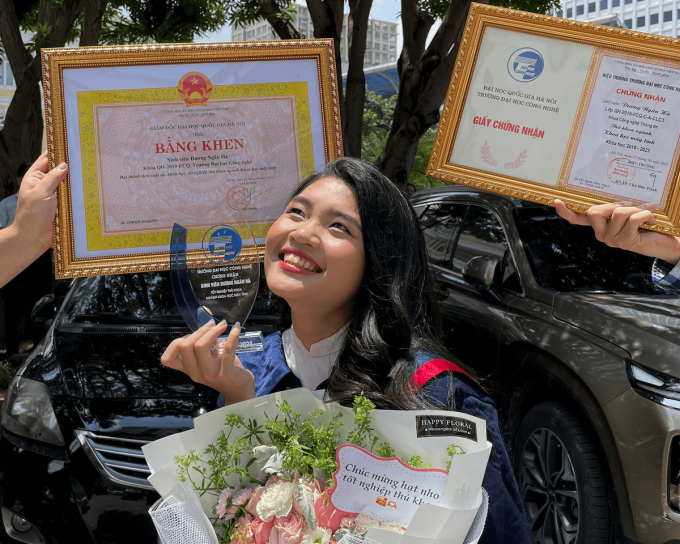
{"x": 251, "y": 507}
{"x": 261, "y": 530}
{"x": 315, "y": 486}
{"x": 287, "y": 530}
{"x": 348, "y": 522}
{"x": 223, "y": 505}
{"x": 229, "y": 501}
{"x": 327, "y": 516}
{"x": 243, "y": 532}
{"x": 243, "y": 496}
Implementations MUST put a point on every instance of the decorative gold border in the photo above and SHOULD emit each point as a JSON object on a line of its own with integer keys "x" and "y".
{"x": 609, "y": 38}
{"x": 54, "y": 61}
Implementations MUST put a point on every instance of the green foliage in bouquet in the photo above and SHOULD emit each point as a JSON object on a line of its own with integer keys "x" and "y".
{"x": 309, "y": 447}
{"x": 287, "y": 457}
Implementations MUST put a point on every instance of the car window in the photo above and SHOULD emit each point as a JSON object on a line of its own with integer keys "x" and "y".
{"x": 483, "y": 236}
{"x": 440, "y": 224}
{"x": 566, "y": 257}
{"x": 419, "y": 208}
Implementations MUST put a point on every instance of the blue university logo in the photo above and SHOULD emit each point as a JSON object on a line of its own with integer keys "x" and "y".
{"x": 525, "y": 64}
{"x": 221, "y": 244}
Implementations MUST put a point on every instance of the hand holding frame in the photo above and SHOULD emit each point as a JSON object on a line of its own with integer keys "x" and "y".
{"x": 618, "y": 225}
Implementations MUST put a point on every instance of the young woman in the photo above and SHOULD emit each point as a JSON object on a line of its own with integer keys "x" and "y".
{"x": 348, "y": 257}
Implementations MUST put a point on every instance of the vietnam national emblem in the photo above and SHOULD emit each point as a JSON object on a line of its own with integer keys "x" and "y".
{"x": 194, "y": 88}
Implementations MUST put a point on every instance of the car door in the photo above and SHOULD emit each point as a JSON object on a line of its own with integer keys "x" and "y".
{"x": 473, "y": 318}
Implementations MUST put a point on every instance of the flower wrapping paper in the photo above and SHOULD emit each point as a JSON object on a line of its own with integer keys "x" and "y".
{"x": 445, "y": 522}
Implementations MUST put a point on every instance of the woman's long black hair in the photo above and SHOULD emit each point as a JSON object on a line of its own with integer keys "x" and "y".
{"x": 395, "y": 313}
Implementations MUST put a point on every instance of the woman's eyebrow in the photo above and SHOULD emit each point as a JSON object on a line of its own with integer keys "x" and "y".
{"x": 302, "y": 200}
{"x": 348, "y": 218}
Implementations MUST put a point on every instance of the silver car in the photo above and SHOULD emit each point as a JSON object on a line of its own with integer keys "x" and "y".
{"x": 581, "y": 352}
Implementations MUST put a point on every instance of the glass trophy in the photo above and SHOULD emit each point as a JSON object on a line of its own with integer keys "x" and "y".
{"x": 225, "y": 288}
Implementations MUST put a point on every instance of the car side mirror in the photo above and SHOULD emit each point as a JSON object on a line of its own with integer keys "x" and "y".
{"x": 482, "y": 272}
{"x": 43, "y": 311}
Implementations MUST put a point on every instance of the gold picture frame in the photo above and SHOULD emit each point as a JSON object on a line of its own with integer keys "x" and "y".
{"x": 499, "y": 108}
{"x": 281, "y": 96}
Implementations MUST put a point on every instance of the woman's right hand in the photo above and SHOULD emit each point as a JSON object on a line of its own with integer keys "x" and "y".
{"x": 197, "y": 356}
{"x": 618, "y": 225}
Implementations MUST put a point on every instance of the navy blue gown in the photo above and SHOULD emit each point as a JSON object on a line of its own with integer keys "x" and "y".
{"x": 506, "y": 522}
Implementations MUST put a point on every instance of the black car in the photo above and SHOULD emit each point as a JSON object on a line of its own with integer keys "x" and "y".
{"x": 91, "y": 394}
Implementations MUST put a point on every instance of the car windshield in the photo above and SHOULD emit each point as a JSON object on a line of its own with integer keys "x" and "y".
{"x": 142, "y": 297}
{"x": 567, "y": 257}
{"x": 120, "y": 298}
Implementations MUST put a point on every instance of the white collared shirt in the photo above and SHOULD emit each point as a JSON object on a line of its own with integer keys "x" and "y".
{"x": 313, "y": 366}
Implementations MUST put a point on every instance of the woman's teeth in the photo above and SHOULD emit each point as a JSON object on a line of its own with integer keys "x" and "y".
{"x": 289, "y": 258}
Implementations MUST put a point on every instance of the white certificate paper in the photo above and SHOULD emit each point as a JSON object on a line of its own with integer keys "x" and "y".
{"x": 520, "y": 109}
{"x": 628, "y": 144}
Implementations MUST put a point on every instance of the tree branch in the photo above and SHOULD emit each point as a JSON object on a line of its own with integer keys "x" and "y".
{"x": 424, "y": 79}
{"x": 283, "y": 27}
{"x": 327, "y": 17}
{"x": 357, "y": 26}
{"x": 92, "y": 22}
{"x": 60, "y": 17}
{"x": 19, "y": 58}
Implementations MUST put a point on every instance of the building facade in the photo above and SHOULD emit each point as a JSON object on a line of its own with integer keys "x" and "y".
{"x": 381, "y": 38}
{"x": 655, "y": 16}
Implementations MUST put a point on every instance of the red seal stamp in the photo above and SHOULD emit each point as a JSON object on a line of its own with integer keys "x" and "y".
{"x": 621, "y": 171}
{"x": 238, "y": 198}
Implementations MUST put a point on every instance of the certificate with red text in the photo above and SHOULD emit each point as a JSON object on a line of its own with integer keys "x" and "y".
{"x": 196, "y": 135}
{"x": 150, "y": 164}
{"x": 539, "y": 108}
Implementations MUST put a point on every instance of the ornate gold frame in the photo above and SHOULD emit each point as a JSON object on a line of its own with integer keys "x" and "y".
{"x": 482, "y": 16}
{"x": 54, "y": 61}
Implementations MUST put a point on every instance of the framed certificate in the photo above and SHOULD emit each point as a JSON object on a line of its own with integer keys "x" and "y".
{"x": 182, "y": 133}
{"x": 540, "y": 108}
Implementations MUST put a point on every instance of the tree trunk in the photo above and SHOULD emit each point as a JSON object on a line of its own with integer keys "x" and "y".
{"x": 92, "y": 22}
{"x": 21, "y": 142}
{"x": 283, "y": 28}
{"x": 355, "y": 92}
{"x": 327, "y": 17}
{"x": 424, "y": 76}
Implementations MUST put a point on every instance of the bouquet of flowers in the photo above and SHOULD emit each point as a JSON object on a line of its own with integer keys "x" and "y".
{"x": 290, "y": 469}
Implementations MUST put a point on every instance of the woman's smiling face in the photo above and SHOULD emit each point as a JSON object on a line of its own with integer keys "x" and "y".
{"x": 314, "y": 252}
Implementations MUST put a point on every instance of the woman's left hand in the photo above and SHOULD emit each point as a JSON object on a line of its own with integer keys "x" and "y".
{"x": 197, "y": 356}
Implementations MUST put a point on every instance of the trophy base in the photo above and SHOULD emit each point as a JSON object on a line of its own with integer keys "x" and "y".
{"x": 250, "y": 341}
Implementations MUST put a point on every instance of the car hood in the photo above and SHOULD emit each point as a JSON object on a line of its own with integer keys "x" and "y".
{"x": 647, "y": 327}
{"x": 97, "y": 366}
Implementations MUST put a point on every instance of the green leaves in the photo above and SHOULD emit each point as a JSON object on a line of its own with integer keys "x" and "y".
{"x": 417, "y": 462}
{"x": 362, "y": 433}
{"x": 160, "y": 21}
{"x": 453, "y": 450}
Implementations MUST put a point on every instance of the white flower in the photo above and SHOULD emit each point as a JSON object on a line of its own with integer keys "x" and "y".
{"x": 317, "y": 536}
{"x": 264, "y": 452}
{"x": 277, "y": 500}
{"x": 274, "y": 464}
{"x": 266, "y": 458}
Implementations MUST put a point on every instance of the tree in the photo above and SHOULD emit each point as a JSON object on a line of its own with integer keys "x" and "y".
{"x": 425, "y": 72}
{"x": 424, "y": 69}
{"x": 377, "y": 122}
{"x": 54, "y": 23}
